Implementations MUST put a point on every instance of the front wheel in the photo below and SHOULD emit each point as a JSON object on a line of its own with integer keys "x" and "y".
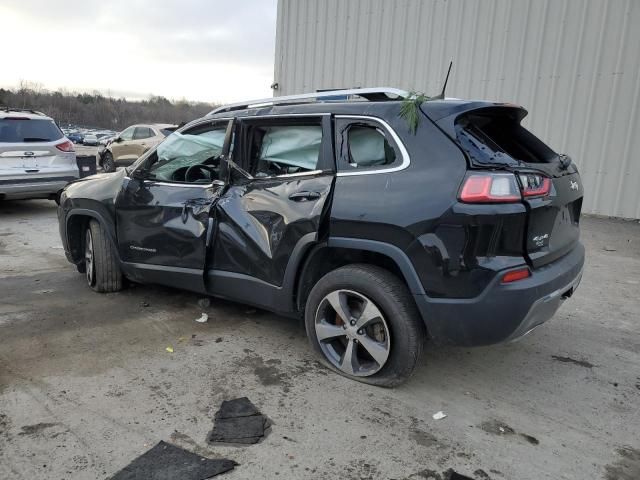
{"x": 100, "y": 263}
{"x": 362, "y": 321}
{"x": 108, "y": 164}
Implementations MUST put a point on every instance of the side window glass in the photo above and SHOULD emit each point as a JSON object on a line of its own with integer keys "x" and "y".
{"x": 284, "y": 149}
{"x": 127, "y": 134}
{"x": 368, "y": 147}
{"x": 192, "y": 156}
{"x": 141, "y": 133}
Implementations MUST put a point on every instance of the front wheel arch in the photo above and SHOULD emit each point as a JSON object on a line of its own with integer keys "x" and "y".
{"x": 76, "y": 225}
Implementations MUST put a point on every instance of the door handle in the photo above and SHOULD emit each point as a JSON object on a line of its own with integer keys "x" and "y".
{"x": 304, "y": 196}
{"x": 185, "y": 206}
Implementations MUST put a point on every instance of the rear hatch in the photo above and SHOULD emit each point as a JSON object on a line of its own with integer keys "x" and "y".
{"x": 493, "y": 138}
{"x": 34, "y": 147}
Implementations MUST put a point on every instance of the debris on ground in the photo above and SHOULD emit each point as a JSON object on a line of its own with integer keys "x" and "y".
{"x": 144, "y": 304}
{"x": 238, "y": 421}
{"x": 582, "y": 363}
{"x": 250, "y": 311}
{"x": 166, "y": 461}
{"x": 204, "y": 302}
{"x": 203, "y": 318}
{"x": 169, "y": 349}
{"x": 439, "y": 415}
{"x": 453, "y": 475}
{"x": 500, "y": 428}
{"x": 609, "y": 249}
{"x": 196, "y": 342}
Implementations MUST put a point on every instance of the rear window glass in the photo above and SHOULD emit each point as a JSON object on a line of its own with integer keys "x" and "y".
{"x": 368, "y": 147}
{"x": 498, "y": 138}
{"x": 28, "y": 130}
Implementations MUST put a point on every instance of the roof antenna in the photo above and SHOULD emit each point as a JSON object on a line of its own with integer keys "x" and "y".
{"x": 446, "y": 80}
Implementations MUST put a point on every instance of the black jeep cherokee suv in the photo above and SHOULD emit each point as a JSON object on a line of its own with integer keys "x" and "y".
{"x": 462, "y": 228}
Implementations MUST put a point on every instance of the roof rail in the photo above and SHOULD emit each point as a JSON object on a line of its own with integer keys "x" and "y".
{"x": 24, "y": 110}
{"x": 372, "y": 94}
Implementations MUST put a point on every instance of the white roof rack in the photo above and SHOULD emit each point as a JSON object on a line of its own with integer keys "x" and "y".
{"x": 376, "y": 93}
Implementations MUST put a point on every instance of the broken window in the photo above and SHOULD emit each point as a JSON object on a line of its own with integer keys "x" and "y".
{"x": 180, "y": 151}
{"x": 368, "y": 147}
{"x": 496, "y": 136}
{"x": 284, "y": 149}
{"x": 364, "y": 145}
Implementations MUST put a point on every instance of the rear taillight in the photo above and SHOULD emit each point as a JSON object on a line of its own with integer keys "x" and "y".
{"x": 534, "y": 185}
{"x": 515, "y": 275}
{"x": 490, "y": 188}
{"x": 65, "y": 146}
{"x": 503, "y": 187}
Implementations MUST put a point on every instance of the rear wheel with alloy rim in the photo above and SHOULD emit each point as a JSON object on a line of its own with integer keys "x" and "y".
{"x": 364, "y": 323}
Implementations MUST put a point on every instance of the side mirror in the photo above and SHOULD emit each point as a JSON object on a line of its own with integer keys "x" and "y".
{"x": 139, "y": 174}
{"x": 117, "y": 139}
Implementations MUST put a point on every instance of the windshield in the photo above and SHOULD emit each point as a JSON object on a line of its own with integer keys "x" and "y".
{"x": 20, "y": 130}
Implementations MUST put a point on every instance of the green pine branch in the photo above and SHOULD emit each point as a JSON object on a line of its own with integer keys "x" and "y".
{"x": 410, "y": 109}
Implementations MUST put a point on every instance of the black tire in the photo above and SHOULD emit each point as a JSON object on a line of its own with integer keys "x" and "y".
{"x": 108, "y": 164}
{"x": 103, "y": 273}
{"x": 406, "y": 330}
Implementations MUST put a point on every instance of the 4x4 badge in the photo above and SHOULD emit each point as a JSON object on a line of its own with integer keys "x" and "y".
{"x": 574, "y": 185}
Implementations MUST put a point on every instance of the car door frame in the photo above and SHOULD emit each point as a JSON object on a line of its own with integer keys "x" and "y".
{"x": 192, "y": 279}
{"x": 241, "y": 286}
{"x": 139, "y": 145}
{"x": 120, "y": 147}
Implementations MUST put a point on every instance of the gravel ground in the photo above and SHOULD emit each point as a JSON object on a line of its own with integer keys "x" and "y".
{"x": 87, "y": 383}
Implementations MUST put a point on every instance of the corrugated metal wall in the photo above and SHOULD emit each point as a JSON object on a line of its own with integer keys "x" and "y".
{"x": 574, "y": 64}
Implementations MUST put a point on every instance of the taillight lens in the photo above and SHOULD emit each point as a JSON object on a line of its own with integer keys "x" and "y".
{"x": 490, "y": 188}
{"x": 65, "y": 146}
{"x": 515, "y": 275}
{"x": 534, "y": 185}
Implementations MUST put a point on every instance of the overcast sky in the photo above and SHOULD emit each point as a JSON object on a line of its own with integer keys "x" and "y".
{"x": 209, "y": 50}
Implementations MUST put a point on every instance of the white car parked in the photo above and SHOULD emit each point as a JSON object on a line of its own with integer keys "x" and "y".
{"x": 90, "y": 139}
{"x": 36, "y": 159}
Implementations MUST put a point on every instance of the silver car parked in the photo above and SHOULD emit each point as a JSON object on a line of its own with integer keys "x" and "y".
{"x": 36, "y": 159}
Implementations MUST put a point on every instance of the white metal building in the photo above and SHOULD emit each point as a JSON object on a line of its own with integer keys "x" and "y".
{"x": 574, "y": 64}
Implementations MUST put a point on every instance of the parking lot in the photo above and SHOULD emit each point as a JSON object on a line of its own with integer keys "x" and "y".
{"x": 87, "y": 383}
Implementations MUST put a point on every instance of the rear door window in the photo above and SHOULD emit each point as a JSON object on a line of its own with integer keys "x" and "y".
{"x": 282, "y": 147}
{"x": 24, "y": 130}
{"x": 141, "y": 133}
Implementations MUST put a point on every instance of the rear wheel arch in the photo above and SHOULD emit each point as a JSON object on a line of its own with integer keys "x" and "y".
{"x": 337, "y": 253}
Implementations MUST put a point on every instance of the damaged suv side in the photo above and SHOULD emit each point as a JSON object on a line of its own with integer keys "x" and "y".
{"x": 465, "y": 231}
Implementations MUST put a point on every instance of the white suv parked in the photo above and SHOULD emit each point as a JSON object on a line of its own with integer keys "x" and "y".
{"x": 36, "y": 159}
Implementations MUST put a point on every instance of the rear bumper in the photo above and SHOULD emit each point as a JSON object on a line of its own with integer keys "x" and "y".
{"x": 35, "y": 187}
{"x": 504, "y": 312}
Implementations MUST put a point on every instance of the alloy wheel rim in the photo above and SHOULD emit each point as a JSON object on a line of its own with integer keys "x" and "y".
{"x": 352, "y": 333}
{"x": 88, "y": 257}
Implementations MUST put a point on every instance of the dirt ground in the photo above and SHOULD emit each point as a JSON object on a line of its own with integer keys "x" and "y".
{"x": 87, "y": 385}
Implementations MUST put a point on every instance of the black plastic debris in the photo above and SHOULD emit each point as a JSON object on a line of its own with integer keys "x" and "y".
{"x": 168, "y": 462}
{"x": 238, "y": 421}
{"x": 452, "y": 475}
